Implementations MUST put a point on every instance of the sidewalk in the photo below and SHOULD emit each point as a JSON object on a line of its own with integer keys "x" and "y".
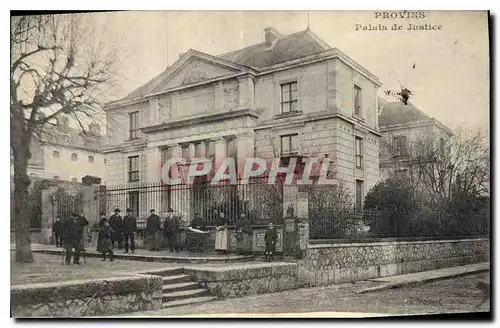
{"x": 149, "y": 256}
{"x": 425, "y": 276}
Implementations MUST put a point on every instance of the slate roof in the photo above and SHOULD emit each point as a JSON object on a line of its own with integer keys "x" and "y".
{"x": 398, "y": 113}
{"x": 72, "y": 138}
{"x": 285, "y": 48}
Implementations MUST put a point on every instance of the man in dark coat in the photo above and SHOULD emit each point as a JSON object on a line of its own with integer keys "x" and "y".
{"x": 172, "y": 230}
{"x": 102, "y": 222}
{"x": 71, "y": 237}
{"x": 153, "y": 227}
{"x": 198, "y": 222}
{"x": 82, "y": 223}
{"x": 129, "y": 230}
{"x": 105, "y": 241}
{"x": 116, "y": 223}
{"x": 56, "y": 230}
{"x": 270, "y": 239}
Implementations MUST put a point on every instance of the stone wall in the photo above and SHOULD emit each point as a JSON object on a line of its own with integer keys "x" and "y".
{"x": 326, "y": 264}
{"x": 251, "y": 279}
{"x": 86, "y": 298}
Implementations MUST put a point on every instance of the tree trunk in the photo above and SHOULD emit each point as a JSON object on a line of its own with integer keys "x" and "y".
{"x": 21, "y": 203}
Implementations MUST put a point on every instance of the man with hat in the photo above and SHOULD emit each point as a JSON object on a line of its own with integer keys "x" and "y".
{"x": 71, "y": 237}
{"x": 172, "y": 230}
{"x": 153, "y": 227}
{"x": 116, "y": 223}
{"x": 129, "y": 230}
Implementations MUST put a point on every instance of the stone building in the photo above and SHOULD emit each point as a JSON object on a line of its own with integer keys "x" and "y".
{"x": 65, "y": 153}
{"x": 290, "y": 94}
{"x": 407, "y": 132}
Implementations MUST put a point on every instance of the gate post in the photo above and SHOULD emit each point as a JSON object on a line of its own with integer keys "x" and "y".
{"x": 90, "y": 200}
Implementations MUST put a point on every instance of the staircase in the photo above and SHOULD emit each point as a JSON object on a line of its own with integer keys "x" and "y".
{"x": 178, "y": 289}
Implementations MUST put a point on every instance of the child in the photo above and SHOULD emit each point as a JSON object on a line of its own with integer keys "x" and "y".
{"x": 105, "y": 241}
{"x": 270, "y": 239}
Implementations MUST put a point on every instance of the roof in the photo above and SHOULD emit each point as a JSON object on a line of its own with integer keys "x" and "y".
{"x": 398, "y": 113}
{"x": 285, "y": 48}
{"x": 66, "y": 136}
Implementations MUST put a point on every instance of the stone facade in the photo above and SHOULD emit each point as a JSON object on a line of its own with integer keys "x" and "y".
{"x": 251, "y": 279}
{"x": 207, "y": 99}
{"x": 336, "y": 263}
{"x": 87, "y": 298}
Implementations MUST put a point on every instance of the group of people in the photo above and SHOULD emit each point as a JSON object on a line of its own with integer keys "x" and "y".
{"x": 118, "y": 232}
{"x": 156, "y": 235}
{"x": 115, "y": 232}
{"x": 70, "y": 234}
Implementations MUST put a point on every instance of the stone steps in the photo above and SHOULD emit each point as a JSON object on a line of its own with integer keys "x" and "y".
{"x": 175, "y": 296}
{"x": 176, "y": 279}
{"x": 178, "y": 288}
{"x": 188, "y": 301}
{"x": 170, "y": 288}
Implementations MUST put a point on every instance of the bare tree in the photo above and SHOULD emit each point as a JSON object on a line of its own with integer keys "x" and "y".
{"x": 59, "y": 67}
{"x": 440, "y": 167}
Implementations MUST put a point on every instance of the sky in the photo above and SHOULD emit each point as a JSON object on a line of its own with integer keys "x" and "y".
{"x": 450, "y": 80}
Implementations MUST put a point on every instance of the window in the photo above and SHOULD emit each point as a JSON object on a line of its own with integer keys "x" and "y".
{"x": 359, "y": 195}
{"x": 74, "y": 157}
{"x": 33, "y": 175}
{"x": 74, "y": 180}
{"x": 289, "y": 97}
{"x": 133, "y": 202}
{"x": 91, "y": 159}
{"x": 56, "y": 154}
{"x": 441, "y": 145}
{"x": 401, "y": 174}
{"x": 357, "y": 101}
{"x": 400, "y": 146}
{"x": 289, "y": 144}
{"x": 359, "y": 153}
{"x": 105, "y": 161}
{"x": 133, "y": 169}
{"x": 134, "y": 125}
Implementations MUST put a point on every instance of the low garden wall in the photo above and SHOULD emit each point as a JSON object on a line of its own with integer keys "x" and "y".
{"x": 333, "y": 263}
{"x": 86, "y": 298}
{"x": 251, "y": 279}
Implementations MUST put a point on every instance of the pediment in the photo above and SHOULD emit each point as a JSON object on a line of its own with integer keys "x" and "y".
{"x": 194, "y": 71}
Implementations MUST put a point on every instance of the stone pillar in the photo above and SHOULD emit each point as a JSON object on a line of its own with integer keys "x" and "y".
{"x": 153, "y": 164}
{"x": 176, "y": 100}
{"x": 245, "y": 149}
{"x": 90, "y": 202}
{"x": 153, "y": 111}
{"x": 246, "y": 92}
{"x": 303, "y": 218}
{"x": 296, "y": 224}
{"x": 49, "y": 212}
{"x": 219, "y": 96}
{"x": 179, "y": 194}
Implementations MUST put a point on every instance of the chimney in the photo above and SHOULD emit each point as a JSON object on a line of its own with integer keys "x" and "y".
{"x": 270, "y": 35}
{"x": 95, "y": 129}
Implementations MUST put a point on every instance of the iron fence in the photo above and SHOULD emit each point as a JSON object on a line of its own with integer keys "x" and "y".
{"x": 260, "y": 201}
{"x": 374, "y": 224}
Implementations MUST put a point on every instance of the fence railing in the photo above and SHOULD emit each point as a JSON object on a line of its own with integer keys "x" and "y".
{"x": 261, "y": 202}
{"x": 372, "y": 224}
